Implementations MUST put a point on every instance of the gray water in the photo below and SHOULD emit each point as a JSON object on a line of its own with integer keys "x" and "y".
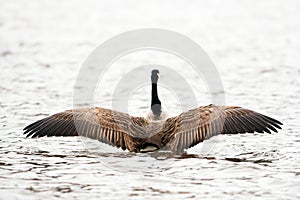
{"x": 255, "y": 47}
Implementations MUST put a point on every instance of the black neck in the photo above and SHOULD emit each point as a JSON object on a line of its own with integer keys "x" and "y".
{"x": 155, "y": 102}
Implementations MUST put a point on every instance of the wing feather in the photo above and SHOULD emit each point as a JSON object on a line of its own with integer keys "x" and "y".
{"x": 110, "y": 127}
{"x": 194, "y": 126}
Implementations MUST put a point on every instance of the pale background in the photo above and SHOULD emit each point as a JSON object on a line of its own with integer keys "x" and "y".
{"x": 255, "y": 46}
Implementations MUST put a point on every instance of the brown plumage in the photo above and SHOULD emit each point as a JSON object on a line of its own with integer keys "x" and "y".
{"x": 137, "y": 133}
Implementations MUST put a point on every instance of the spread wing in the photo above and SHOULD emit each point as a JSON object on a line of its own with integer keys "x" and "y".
{"x": 110, "y": 127}
{"x": 193, "y": 126}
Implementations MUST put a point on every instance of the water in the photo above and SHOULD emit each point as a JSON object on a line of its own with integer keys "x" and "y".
{"x": 254, "y": 46}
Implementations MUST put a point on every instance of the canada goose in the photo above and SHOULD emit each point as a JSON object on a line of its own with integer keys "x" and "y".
{"x": 139, "y": 134}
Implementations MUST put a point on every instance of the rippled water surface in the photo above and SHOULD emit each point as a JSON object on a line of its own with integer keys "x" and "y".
{"x": 254, "y": 46}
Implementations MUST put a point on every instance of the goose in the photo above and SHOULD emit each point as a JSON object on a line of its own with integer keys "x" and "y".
{"x": 156, "y": 131}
